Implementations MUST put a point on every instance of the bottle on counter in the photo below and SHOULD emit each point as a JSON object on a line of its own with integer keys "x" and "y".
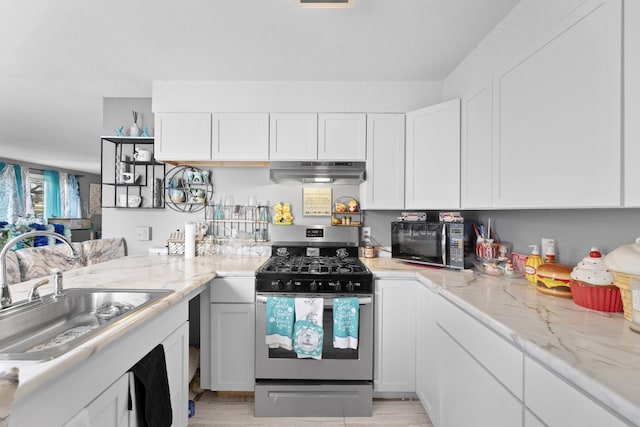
{"x": 550, "y": 251}
{"x": 532, "y": 264}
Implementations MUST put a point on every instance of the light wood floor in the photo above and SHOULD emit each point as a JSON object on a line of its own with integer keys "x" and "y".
{"x": 212, "y": 410}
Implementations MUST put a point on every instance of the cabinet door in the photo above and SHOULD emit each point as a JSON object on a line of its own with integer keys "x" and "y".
{"x": 557, "y": 138}
{"x": 176, "y": 353}
{"x": 426, "y": 354}
{"x": 395, "y": 319}
{"x": 631, "y": 103}
{"x": 433, "y": 157}
{"x": 293, "y": 137}
{"x": 469, "y": 394}
{"x": 183, "y": 136}
{"x": 543, "y": 391}
{"x": 384, "y": 184}
{"x": 240, "y": 137}
{"x": 109, "y": 409}
{"x": 476, "y": 150}
{"x": 342, "y": 136}
{"x": 232, "y": 347}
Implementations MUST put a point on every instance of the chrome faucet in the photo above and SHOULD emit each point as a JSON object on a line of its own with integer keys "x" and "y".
{"x": 5, "y": 295}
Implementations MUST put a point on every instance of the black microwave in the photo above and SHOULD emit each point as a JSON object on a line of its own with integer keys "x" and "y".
{"x": 443, "y": 244}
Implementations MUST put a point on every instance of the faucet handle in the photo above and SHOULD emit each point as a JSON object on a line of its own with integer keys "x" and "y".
{"x": 58, "y": 291}
{"x": 33, "y": 293}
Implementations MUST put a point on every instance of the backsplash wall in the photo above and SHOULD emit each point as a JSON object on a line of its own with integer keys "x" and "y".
{"x": 574, "y": 230}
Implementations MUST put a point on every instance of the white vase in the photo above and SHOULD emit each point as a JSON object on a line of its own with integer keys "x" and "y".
{"x": 134, "y": 130}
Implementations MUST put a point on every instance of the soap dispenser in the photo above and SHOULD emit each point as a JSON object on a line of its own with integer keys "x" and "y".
{"x": 532, "y": 264}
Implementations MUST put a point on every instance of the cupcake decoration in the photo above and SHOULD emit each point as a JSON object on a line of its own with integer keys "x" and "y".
{"x": 592, "y": 284}
{"x": 591, "y": 270}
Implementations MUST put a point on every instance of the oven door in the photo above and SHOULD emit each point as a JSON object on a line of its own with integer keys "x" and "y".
{"x": 336, "y": 364}
{"x": 419, "y": 241}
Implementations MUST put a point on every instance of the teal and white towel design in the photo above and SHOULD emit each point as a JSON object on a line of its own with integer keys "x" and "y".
{"x": 308, "y": 335}
{"x": 345, "y": 322}
{"x": 308, "y": 339}
{"x": 280, "y": 316}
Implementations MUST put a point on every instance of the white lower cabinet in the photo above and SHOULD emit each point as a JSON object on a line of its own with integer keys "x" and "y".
{"x": 479, "y": 373}
{"x": 394, "y": 330}
{"x": 232, "y": 345}
{"x": 109, "y": 409}
{"x": 557, "y": 403}
{"x": 426, "y": 356}
{"x": 469, "y": 394}
{"x": 176, "y": 353}
{"x": 232, "y": 326}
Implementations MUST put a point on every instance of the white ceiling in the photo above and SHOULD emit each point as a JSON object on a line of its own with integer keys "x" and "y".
{"x": 59, "y": 58}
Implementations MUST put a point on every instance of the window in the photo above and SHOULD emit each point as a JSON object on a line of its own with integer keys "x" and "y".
{"x": 37, "y": 193}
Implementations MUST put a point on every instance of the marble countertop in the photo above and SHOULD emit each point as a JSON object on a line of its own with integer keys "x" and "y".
{"x": 185, "y": 277}
{"x": 595, "y": 351}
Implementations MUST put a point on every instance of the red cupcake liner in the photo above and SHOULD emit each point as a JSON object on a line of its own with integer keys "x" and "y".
{"x": 601, "y": 298}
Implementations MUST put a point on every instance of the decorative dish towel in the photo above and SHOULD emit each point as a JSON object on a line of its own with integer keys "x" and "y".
{"x": 280, "y": 316}
{"x": 345, "y": 322}
{"x": 307, "y": 332}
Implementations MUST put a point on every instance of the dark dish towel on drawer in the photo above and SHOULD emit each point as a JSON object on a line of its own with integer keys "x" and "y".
{"x": 152, "y": 390}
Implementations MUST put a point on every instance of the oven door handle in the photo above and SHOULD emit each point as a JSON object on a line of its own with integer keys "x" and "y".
{"x": 328, "y": 302}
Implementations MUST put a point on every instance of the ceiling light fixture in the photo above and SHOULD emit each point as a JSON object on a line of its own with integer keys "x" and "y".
{"x": 326, "y": 3}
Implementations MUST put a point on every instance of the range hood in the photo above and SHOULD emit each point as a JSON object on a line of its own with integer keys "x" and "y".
{"x": 308, "y": 172}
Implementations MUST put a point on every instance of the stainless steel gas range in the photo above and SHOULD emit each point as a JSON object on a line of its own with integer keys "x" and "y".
{"x": 307, "y": 263}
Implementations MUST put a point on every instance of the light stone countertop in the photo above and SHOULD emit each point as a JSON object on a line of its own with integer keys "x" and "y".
{"x": 186, "y": 278}
{"x": 595, "y": 351}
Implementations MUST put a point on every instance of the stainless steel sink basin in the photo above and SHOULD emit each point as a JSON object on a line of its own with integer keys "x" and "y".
{"x": 46, "y": 329}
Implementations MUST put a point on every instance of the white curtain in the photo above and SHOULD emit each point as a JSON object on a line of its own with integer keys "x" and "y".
{"x": 26, "y": 192}
{"x": 10, "y": 208}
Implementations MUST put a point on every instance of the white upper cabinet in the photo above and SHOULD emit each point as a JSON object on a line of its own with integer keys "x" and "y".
{"x": 240, "y": 136}
{"x": 433, "y": 157}
{"x": 182, "y": 136}
{"x": 557, "y": 116}
{"x": 342, "y": 136}
{"x": 203, "y": 136}
{"x": 301, "y": 136}
{"x": 384, "y": 185}
{"x": 476, "y": 150}
{"x": 632, "y": 103}
{"x": 293, "y": 136}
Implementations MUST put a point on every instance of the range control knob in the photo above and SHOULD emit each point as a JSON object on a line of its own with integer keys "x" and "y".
{"x": 338, "y": 286}
{"x": 313, "y": 286}
{"x": 276, "y": 285}
{"x": 289, "y": 285}
{"x": 350, "y": 286}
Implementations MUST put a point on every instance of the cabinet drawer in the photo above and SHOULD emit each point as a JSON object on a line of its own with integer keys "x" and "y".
{"x": 557, "y": 403}
{"x": 498, "y": 356}
{"x": 233, "y": 290}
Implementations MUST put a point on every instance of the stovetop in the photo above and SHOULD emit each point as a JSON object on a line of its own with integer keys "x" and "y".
{"x": 313, "y": 265}
{"x": 314, "y": 270}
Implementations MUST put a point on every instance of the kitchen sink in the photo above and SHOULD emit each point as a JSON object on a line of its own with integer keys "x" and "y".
{"x": 50, "y": 327}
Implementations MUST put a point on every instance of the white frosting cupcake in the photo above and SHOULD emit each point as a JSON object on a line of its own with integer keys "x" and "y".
{"x": 591, "y": 270}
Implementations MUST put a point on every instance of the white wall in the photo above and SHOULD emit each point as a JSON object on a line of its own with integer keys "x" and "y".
{"x": 186, "y": 96}
{"x": 291, "y": 97}
{"x": 526, "y": 23}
